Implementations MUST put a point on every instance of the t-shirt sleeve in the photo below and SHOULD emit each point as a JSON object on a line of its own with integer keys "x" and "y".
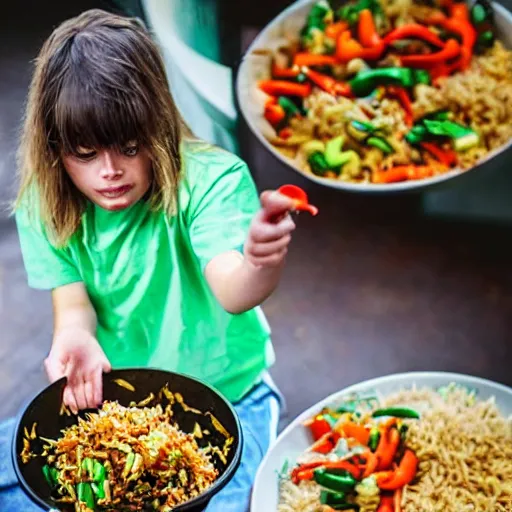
{"x": 223, "y": 202}
{"x": 47, "y": 267}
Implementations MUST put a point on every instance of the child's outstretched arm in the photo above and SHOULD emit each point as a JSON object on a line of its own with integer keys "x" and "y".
{"x": 243, "y": 282}
{"x": 75, "y": 352}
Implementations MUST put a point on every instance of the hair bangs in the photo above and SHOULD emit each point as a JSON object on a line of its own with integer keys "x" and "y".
{"x": 92, "y": 113}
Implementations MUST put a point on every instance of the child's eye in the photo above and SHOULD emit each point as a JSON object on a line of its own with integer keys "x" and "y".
{"x": 85, "y": 154}
{"x": 131, "y": 150}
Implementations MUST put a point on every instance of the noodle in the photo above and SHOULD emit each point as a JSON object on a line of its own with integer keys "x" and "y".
{"x": 464, "y": 452}
{"x": 475, "y": 96}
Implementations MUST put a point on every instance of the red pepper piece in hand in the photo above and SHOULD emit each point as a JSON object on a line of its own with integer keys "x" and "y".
{"x": 450, "y": 51}
{"x": 366, "y": 31}
{"x": 416, "y": 31}
{"x": 299, "y": 197}
{"x": 328, "y": 83}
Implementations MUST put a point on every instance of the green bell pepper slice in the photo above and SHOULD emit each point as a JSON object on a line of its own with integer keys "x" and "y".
{"x": 396, "y": 412}
{"x": 334, "y": 482}
{"x": 366, "y": 81}
{"x": 336, "y": 500}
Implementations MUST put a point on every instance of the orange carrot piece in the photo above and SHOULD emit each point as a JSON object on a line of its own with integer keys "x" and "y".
{"x": 312, "y": 59}
{"x": 335, "y": 29}
{"x": 358, "y": 432}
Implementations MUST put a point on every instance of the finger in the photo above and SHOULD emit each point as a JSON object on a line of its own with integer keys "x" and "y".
{"x": 55, "y": 369}
{"x": 97, "y": 386}
{"x": 274, "y": 260}
{"x": 275, "y": 204}
{"x": 262, "y": 232}
{"x": 69, "y": 399}
{"x": 89, "y": 393}
{"x": 269, "y": 248}
{"x": 79, "y": 392}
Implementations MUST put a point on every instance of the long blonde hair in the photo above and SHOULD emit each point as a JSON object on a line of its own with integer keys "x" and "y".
{"x": 99, "y": 81}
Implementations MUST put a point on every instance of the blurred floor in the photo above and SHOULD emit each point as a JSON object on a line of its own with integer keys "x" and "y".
{"x": 371, "y": 287}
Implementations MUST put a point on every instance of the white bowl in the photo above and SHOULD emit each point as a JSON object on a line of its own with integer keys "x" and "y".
{"x": 295, "y": 439}
{"x": 256, "y": 67}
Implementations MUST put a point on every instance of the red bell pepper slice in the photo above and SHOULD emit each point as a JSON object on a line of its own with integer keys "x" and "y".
{"x": 366, "y": 31}
{"x": 416, "y": 31}
{"x": 318, "y": 425}
{"x": 386, "y": 504}
{"x": 402, "y": 96}
{"x": 328, "y": 83}
{"x": 450, "y": 51}
{"x": 447, "y": 157}
{"x": 284, "y": 88}
{"x": 403, "y": 474}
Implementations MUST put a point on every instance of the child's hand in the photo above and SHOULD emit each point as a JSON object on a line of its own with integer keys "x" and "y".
{"x": 77, "y": 355}
{"x": 270, "y": 232}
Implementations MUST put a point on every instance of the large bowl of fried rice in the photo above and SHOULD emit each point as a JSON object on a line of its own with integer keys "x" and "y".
{"x": 453, "y": 449}
{"x": 381, "y": 95}
{"x": 160, "y": 441}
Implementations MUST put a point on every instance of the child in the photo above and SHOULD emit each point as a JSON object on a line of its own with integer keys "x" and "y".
{"x": 154, "y": 244}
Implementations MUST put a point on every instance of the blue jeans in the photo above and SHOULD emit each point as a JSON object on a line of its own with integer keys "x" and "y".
{"x": 258, "y": 413}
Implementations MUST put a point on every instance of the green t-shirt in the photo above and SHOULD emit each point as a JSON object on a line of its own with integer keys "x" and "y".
{"x": 144, "y": 275}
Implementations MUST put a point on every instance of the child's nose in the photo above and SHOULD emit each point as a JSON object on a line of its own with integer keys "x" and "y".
{"x": 109, "y": 169}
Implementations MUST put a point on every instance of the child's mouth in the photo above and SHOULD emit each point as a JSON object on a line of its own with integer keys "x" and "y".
{"x": 115, "y": 192}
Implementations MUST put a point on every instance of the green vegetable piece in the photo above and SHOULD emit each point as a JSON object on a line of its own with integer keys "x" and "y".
{"x": 381, "y": 144}
{"x": 334, "y": 157}
{"x": 85, "y": 494}
{"x": 318, "y": 164}
{"x": 397, "y": 412}
{"x": 374, "y": 439}
{"x": 288, "y": 106}
{"x": 332, "y": 498}
{"x": 446, "y": 128}
{"x": 98, "y": 490}
{"x": 366, "y": 81}
{"x": 50, "y": 475}
{"x": 99, "y": 473}
{"x": 334, "y": 482}
{"x": 466, "y": 142}
{"x": 478, "y": 14}
{"x": 88, "y": 467}
{"x": 486, "y": 39}
{"x": 350, "y": 13}
{"x": 416, "y": 135}
{"x": 403, "y": 431}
